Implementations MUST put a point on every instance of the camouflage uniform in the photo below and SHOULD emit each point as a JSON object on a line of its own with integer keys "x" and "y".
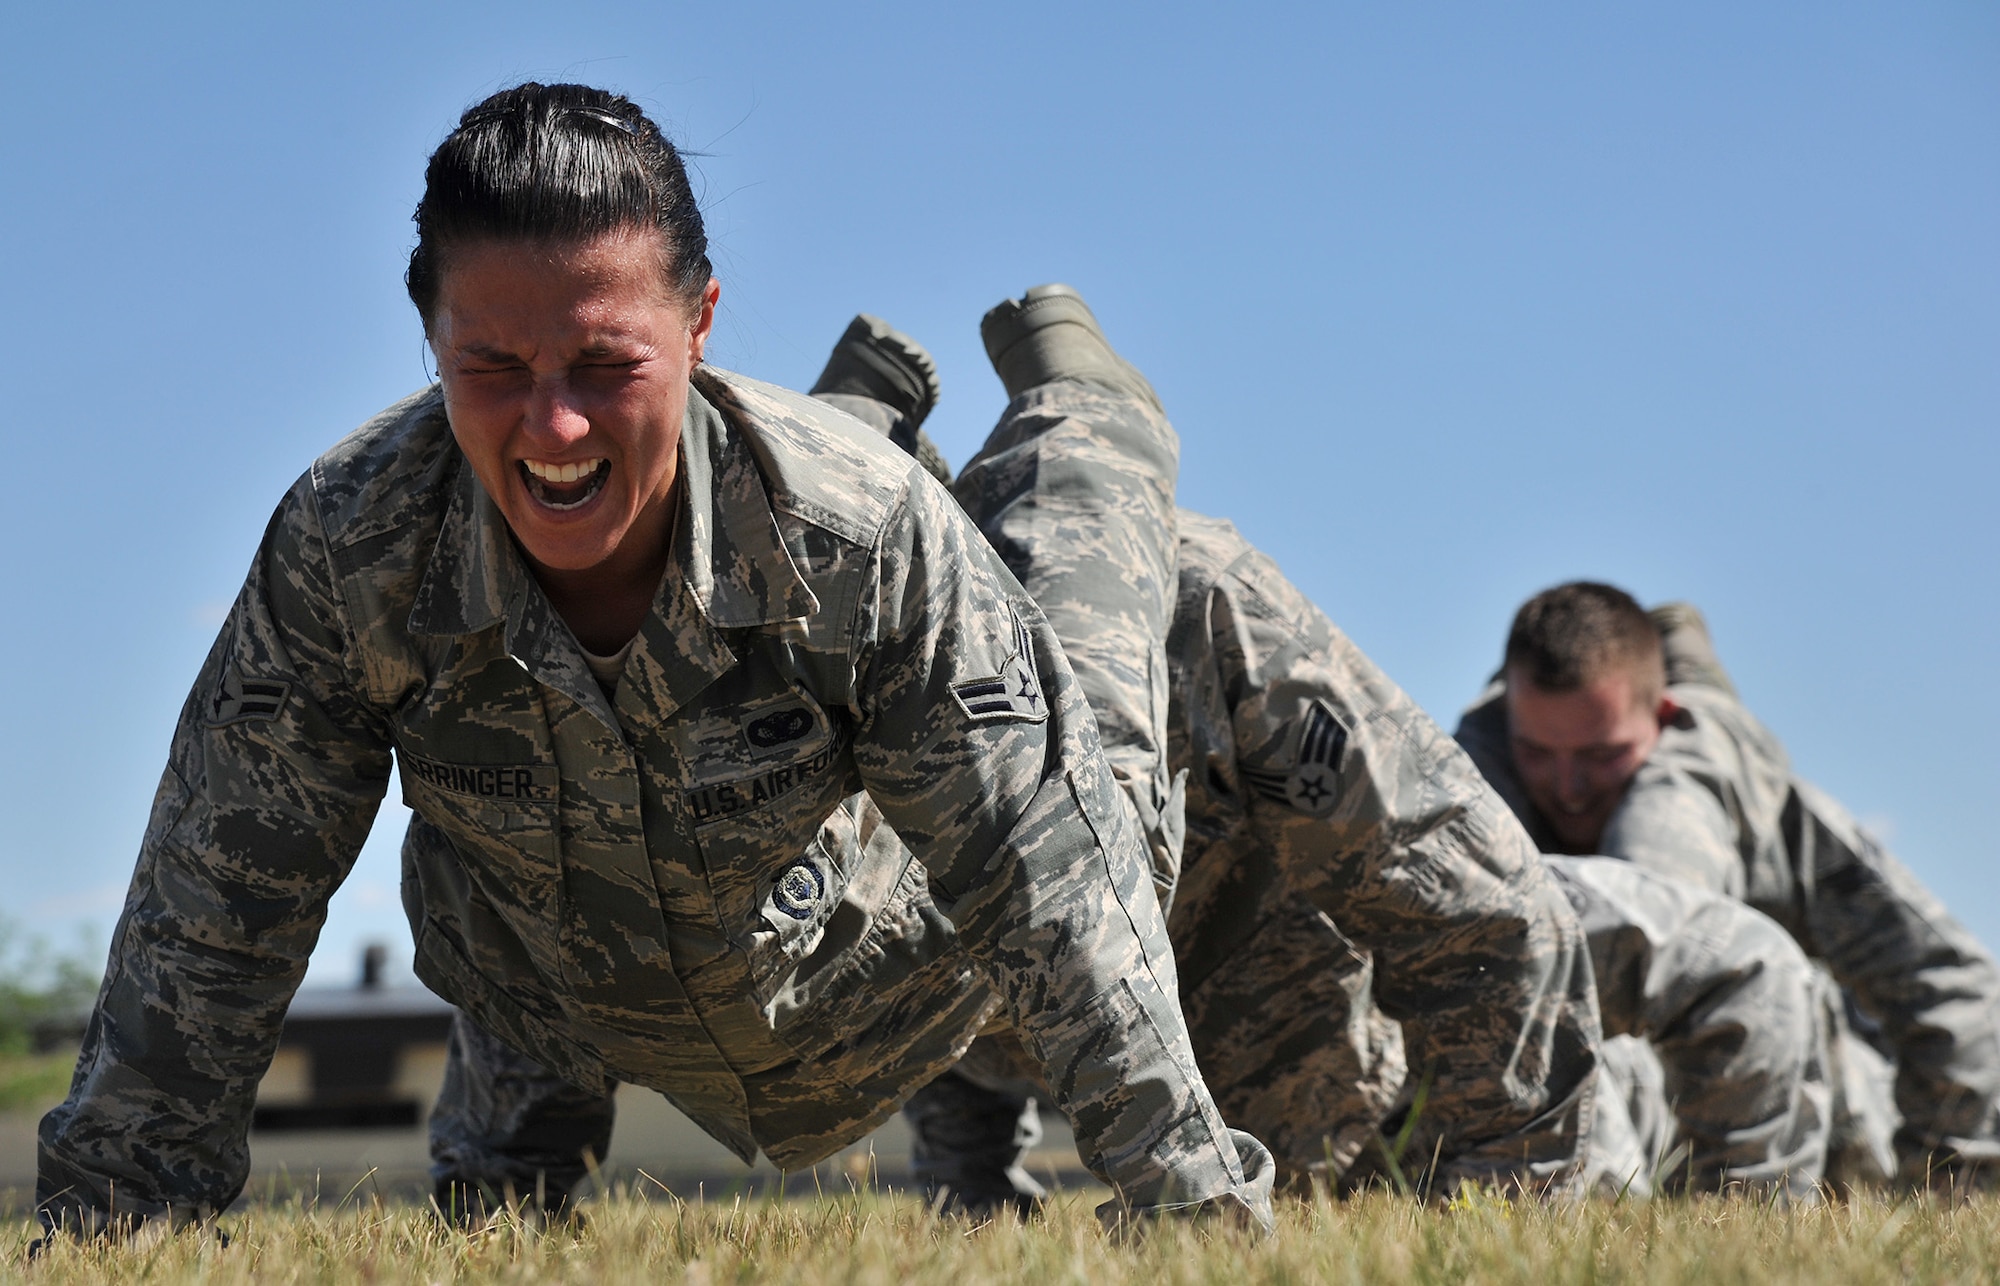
{"x": 1286, "y": 1022}
{"x": 1717, "y": 804}
{"x": 1716, "y": 1037}
{"x": 1352, "y": 897}
{"x": 693, "y": 885}
{"x": 1074, "y": 488}
{"x": 506, "y": 1130}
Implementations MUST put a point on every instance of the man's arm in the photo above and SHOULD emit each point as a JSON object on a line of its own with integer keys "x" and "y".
{"x": 1731, "y": 1006}
{"x": 276, "y": 770}
{"x": 1375, "y": 816}
{"x": 1673, "y": 825}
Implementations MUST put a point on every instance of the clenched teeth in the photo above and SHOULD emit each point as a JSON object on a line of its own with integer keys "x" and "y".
{"x": 571, "y": 472}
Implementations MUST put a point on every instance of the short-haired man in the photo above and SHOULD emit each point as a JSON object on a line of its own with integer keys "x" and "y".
{"x": 1348, "y": 869}
{"x": 1611, "y": 730}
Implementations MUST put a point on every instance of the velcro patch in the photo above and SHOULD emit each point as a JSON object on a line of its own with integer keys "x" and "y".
{"x": 1014, "y": 693}
{"x": 1313, "y": 784}
{"x": 239, "y": 699}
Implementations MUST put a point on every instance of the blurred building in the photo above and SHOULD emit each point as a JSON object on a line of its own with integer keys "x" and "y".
{"x": 366, "y": 1058}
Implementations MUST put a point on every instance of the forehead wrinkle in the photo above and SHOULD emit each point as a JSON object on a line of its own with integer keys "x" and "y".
{"x": 608, "y": 337}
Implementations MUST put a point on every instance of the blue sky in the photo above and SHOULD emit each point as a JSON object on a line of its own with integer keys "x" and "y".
{"x": 1449, "y": 303}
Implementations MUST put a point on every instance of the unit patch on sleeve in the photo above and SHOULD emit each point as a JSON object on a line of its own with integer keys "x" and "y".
{"x": 797, "y": 890}
{"x": 1313, "y": 785}
{"x": 1014, "y": 693}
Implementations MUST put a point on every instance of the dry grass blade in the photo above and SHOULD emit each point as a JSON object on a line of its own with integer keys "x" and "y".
{"x": 893, "y": 1241}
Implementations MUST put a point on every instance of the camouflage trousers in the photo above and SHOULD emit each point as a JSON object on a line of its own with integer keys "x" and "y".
{"x": 1717, "y": 1069}
{"x": 1727, "y": 1063}
{"x": 1074, "y": 489}
{"x": 505, "y": 1130}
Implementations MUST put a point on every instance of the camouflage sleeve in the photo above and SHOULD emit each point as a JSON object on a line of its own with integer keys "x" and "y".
{"x": 1918, "y": 972}
{"x": 1730, "y": 1005}
{"x": 1672, "y": 825}
{"x": 1684, "y": 815}
{"x": 276, "y": 770}
{"x": 990, "y": 770}
{"x": 1075, "y": 489}
{"x": 1375, "y": 817}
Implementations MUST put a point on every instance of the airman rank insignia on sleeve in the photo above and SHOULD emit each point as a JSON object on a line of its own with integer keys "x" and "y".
{"x": 238, "y": 699}
{"x": 1014, "y": 693}
{"x": 1313, "y": 784}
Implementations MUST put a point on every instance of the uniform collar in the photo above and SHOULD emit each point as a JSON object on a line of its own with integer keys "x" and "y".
{"x": 730, "y": 570}
{"x": 733, "y": 557}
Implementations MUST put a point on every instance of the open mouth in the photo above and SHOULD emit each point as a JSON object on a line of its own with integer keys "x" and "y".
{"x": 565, "y": 486}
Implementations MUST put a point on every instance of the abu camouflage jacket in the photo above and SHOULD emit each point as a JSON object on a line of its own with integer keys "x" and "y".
{"x": 682, "y": 887}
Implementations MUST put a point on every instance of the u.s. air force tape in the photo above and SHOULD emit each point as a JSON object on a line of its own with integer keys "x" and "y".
{"x": 1014, "y": 693}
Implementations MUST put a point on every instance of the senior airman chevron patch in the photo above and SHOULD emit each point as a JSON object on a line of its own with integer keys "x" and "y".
{"x": 1313, "y": 785}
{"x": 1014, "y": 693}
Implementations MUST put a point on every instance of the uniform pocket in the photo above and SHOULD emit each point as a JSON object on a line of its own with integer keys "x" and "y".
{"x": 510, "y": 1003}
{"x": 503, "y": 822}
{"x": 871, "y": 962}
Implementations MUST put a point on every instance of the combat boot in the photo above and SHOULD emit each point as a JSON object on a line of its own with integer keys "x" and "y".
{"x": 1686, "y": 647}
{"x": 966, "y": 1147}
{"x": 873, "y": 359}
{"x": 887, "y": 380}
{"x": 1049, "y": 334}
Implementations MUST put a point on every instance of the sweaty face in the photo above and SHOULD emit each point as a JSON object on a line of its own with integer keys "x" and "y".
{"x": 565, "y": 370}
{"x": 1575, "y": 752}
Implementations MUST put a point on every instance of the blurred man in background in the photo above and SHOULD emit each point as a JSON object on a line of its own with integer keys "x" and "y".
{"x": 1609, "y": 730}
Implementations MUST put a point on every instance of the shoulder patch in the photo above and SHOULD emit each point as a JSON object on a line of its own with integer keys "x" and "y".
{"x": 1312, "y": 786}
{"x": 1014, "y": 693}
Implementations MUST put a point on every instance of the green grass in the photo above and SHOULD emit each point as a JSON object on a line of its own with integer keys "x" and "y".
{"x": 897, "y": 1242}
{"x": 34, "y": 1081}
